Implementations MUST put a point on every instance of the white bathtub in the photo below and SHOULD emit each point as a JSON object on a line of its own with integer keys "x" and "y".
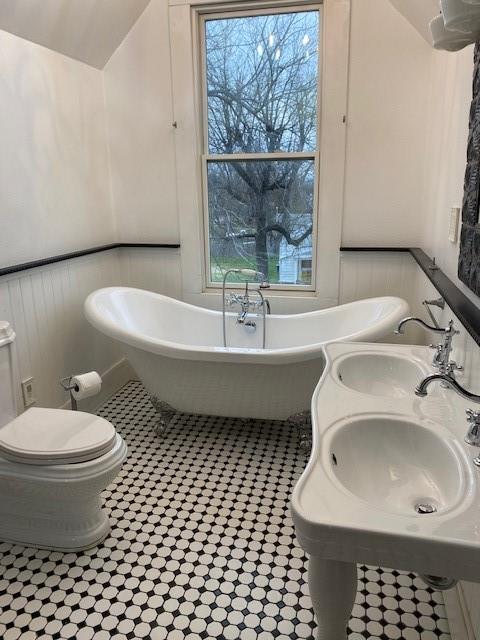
{"x": 176, "y": 350}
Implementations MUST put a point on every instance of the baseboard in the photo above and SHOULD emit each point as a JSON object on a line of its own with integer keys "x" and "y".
{"x": 113, "y": 379}
{"x": 457, "y": 613}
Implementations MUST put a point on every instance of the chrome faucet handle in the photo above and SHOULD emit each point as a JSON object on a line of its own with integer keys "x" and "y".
{"x": 473, "y": 435}
{"x": 451, "y": 329}
{"x": 234, "y": 298}
{"x": 452, "y": 366}
{"x": 438, "y": 353}
{"x": 473, "y": 416}
{"x": 441, "y": 357}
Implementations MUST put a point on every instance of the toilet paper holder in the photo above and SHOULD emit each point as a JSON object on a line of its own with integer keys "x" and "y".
{"x": 81, "y": 386}
{"x": 70, "y": 386}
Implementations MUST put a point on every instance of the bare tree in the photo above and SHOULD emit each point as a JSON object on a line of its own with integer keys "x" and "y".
{"x": 262, "y": 95}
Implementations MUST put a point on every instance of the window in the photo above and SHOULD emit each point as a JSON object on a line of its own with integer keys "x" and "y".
{"x": 260, "y": 161}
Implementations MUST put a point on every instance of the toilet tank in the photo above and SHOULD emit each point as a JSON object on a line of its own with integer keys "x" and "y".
{"x": 7, "y": 385}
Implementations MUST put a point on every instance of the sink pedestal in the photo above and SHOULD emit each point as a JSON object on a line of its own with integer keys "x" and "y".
{"x": 333, "y": 587}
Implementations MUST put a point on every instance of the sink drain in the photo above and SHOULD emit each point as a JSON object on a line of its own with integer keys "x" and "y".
{"x": 425, "y": 507}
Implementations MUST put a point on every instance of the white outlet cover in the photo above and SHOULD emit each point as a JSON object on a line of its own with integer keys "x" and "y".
{"x": 27, "y": 391}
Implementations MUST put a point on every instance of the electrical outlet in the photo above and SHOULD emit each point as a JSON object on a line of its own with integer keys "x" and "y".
{"x": 28, "y": 392}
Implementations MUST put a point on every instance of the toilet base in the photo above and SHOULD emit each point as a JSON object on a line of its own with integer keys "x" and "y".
{"x": 57, "y": 507}
{"x": 61, "y": 530}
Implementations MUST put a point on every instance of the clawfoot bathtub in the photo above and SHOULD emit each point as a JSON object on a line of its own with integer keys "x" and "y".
{"x": 176, "y": 350}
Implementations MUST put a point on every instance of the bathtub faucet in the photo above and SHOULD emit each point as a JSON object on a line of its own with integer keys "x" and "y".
{"x": 245, "y": 302}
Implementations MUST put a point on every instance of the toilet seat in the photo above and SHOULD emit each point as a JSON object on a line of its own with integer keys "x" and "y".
{"x": 55, "y": 437}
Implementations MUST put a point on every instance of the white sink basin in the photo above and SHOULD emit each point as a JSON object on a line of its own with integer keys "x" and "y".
{"x": 395, "y": 464}
{"x": 379, "y": 374}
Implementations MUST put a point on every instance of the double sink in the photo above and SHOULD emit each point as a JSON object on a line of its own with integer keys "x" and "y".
{"x": 390, "y": 480}
{"x": 397, "y": 464}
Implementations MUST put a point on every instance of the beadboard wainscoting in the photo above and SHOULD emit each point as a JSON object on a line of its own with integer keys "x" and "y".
{"x": 366, "y": 274}
{"x": 45, "y": 307}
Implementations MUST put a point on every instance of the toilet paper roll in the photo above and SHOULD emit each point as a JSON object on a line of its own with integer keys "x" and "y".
{"x": 86, "y": 385}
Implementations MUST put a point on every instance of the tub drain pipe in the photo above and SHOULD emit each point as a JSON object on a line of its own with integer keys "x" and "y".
{"x": 440, "y": 583}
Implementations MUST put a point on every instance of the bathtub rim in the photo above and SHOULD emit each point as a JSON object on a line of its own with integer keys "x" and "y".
{"x": 180, "y": 351}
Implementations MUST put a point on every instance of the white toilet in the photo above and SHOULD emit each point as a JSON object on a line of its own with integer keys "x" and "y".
{"x": 54, "y": 464}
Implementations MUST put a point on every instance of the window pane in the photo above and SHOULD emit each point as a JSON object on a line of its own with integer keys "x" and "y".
{"x": 261, "y": 217}
{"x": 262, "y": 82}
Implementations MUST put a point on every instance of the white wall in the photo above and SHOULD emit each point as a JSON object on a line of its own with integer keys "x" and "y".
{"x": 152, "y": 269}
{"x": 449, "y": 106}
{"x": 418, "y": 14}
{"x": 406, "y": 134}
{"x": 386, "y": 119}
{"x": 54, "y": 178}
{"x": 54, "y": 198}
{"x": 141, "y": 137}
{"x": 386, "y": 123}
{"x": 54, "y": 175}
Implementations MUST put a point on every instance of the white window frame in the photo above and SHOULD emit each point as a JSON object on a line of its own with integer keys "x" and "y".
{"x": 279, "y": 155}
{"x": 186, "y": 106}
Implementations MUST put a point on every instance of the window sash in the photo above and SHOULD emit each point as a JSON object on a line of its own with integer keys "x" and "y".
{"x": 235, "y": 11}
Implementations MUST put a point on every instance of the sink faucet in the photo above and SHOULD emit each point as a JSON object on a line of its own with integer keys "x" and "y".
{"x": 441, "y": 358}
{"x": 473, "y": 417}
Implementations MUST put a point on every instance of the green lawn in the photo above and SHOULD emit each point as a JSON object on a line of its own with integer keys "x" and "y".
{"x": 218, "y": 267}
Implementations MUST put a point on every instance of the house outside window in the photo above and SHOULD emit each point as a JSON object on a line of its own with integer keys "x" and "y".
{"x": 260, "y": 162}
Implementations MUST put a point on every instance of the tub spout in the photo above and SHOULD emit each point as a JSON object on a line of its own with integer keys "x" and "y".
{"x": 242, "y": 316}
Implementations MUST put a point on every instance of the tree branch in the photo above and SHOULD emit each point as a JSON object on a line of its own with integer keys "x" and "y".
{"x": 286, "y": 234}
{"x": 274, "y": 227}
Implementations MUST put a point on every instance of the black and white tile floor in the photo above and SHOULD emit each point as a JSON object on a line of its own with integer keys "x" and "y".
{"x": 202, "y": 546}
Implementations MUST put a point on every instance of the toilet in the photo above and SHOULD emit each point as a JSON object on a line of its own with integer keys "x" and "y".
{"x": 54, "y": 464}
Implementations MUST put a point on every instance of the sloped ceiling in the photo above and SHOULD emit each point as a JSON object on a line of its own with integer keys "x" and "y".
{"x": 88, "y": 30}
{"x": 418, "y": 13}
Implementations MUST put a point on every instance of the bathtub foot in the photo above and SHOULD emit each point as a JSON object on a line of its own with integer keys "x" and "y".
{"x": 246, "y": 422}
{"x": 165, "y": 414}
{"x": 302, "y": 422}
{"x": 333, "y": 587}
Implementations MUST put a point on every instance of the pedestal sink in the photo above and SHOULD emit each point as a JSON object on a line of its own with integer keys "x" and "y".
{"x": 390, "y": 481}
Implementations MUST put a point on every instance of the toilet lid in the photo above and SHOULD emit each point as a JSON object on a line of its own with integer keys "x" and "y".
{"x": 55, "y": 436}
